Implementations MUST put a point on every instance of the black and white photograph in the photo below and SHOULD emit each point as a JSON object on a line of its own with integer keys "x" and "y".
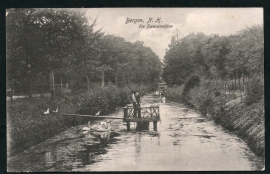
{"x": 135, "y": 89}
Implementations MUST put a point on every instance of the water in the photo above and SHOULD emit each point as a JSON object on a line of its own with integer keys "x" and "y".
{"x": 185, "y": 141}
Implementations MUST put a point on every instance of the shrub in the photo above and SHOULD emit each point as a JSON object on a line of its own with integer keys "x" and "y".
{"x": 192, "y": 82}
{"x": 254, "y": 91}
{"x": 174, "y": 93}
{"x": 207, "y": 98}
{"x": 106, "y": 99}
{"x": 27, "y": 125}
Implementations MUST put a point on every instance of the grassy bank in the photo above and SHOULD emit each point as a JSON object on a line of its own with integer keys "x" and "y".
{"x": 27, "y": 126}
{"x": 239, "y": 115}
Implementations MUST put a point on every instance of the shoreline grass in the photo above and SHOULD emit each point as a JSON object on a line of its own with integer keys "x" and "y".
{"x": 246, "y": 121}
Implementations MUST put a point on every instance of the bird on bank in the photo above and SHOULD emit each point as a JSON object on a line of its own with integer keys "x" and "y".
{"x": 56, "y": 110}
{"x": 97, "y": 114}
{"x": 47, "y": 111}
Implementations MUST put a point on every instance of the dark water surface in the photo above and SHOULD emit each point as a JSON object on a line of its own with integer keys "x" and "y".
{"x": 185, "y": 141}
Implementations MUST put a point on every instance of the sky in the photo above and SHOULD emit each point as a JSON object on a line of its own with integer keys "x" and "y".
{"x": 221, "y": 21}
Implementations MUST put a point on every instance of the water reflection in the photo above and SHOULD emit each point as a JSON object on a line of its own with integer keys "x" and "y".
{"x": 48, "y": 159}
{"x": 193, "y": 143}
{"x": 162, "y": 99}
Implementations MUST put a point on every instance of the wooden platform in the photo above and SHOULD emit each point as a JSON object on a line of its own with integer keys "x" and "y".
{"x": 144, "y": 116}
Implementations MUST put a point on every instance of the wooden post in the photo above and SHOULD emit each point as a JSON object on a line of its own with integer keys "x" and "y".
{"x": 139, "y": 112}
{"x": 155, "y": 125}
{"x": 102, "y": 78}
{"x": 128, "y": 126}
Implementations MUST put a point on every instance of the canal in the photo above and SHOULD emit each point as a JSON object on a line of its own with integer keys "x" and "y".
{"x": 185, "y": 141}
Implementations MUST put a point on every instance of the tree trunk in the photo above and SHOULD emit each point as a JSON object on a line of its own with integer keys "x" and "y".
{"x": 29, "y": 88}
{"x": 29, "y": 83}
{"x": 41, "y": 90}
{"x": 88, "y": 82}
{"x": 243, "y": 83}
{"x": 229, "y": 89}
{"x": 116, "y": 80}
{"x": 52, "y": 83}
{"x": 242, "y": 75}
{"x": 239, "y": 81}
{"x": 225, "y": 87}
{"x": 235, "y": 85}
{"x": 232, "y": 91}
{"x": 102, "y": 78}
{"x": 61, "y": 84}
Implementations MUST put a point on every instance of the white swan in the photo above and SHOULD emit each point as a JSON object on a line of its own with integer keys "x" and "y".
{"x": 94, "y": 127}
{"x": 104, "y": 126}
{"x": 87, "y": 128}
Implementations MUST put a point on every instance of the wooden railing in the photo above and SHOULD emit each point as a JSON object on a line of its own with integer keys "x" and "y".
{"x": 144, "y": 113}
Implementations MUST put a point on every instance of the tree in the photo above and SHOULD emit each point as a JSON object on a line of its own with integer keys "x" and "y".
{"x": 47, "y": 40}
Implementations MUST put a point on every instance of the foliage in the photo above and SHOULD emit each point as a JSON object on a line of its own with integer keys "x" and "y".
{"x": 255, "y": 91}
{"x": 190, "y": 84}
{"x": 27, "y": 125}
{"x": 106, "y": 99}
{"x": 184, "y": 58}
{"x": 214, "y": 57}
{"x": 174, "y": 93}
{"x": 247, "y": 122}
{"x": 63, "y": 43}
{"x": 226, "y": 65}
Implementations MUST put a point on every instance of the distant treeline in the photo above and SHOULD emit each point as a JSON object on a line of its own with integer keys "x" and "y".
{"x": 231, "y": 59}
{"x": 60, "y": 45}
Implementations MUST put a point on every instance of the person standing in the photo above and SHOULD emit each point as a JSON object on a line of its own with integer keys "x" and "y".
{"x": 136, "y": 100}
